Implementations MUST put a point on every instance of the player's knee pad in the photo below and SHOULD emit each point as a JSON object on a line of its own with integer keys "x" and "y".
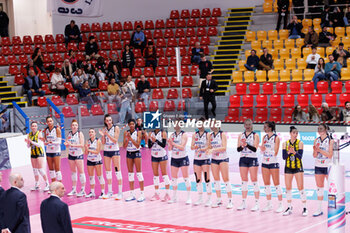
{"x": 82, "y": 178}
{"x": 116, "y": 169}
{"x": 267, "y": 190}
{"x": 131, "y": 177}
{"x": 187, "y": 182}
{"x": 209, "y": 188}
{"x": 74, "y": 176}
{"x": 228, "y": 187}
{"x": 166, "y": 180}
{"x": 289, "y": 195}
{"x": 101, "y": 179}
{"x": 217, "y": 185}
{"x": 206, "y": 177}
{"x": 244, "y": 186}
{"x": 278, "y": 190}
{"x": 52, "y": 174}
{"x": 319, "y": 191}
{"x": 92, "y": 180}
{"x": 119, "y": 175}
{"x": 59, "y": 175}
{"x": 156, "y": 180}
{"x": 140, "y": 176}
{"x": 42, "y": 172}
{"x": 109, "y": 175}
{"x": 198, "y": 179}
{"x": 302, "y": 195}
{"x": 256, "y": 187}
{"x": 174, "y": 182}
{"x": 35, "y": 171}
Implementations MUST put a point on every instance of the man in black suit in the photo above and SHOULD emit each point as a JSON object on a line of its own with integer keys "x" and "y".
{"x": 72, "y": 33}
{"x": 14, "y": 207}
{"x": 207, "y": 93}
{"x": 54, "y": 213}
{"x": 32, "y": 84}
{"x": 1, "y": 192}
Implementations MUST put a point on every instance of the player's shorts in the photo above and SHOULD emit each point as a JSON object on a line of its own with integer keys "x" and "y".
{"x": 159, "y": 159}
{"x": 181, "y": 162}
{"x": 36, "y": 156}
{"x": 321, "y": 170}
{"x": 51, "y": 155}
{"x": 70, "y": 157}
{"x": 133, "y": 154}
{"x": 218, "y": 161}
{"x": 288, "y": 170}
{"x": 89, "y": 163}
{"x": 201, "y": 162}
{"x": 110, "y": 154}
{"x": 248, "y": 162}
{"x": 271, "y": 165}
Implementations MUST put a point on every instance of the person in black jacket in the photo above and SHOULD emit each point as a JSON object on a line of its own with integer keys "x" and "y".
{"x": 4, "y": 23}
{"x": 54, "y": 213}
{"x": 128, "y": 58}
{"x": 14, "y": 207}
{"x": 32, "y": 84}
{"x": 197, "y": 51}
{"x": 294, "y": 28}
{"x": 207, "y": 93}
{"x": 252, "y": 61}
{"x": 325, "y": 17}
{"x": 205, "y": 67}
{"x": 72, "y": 33}
{"x": 1, "y": 190}
{"x": 138, "y": 39}
{"x": 337, "y": 18}
{"x": 325, "y": 37}
{"x": 283, "y": 7}
{"x": 91, "y": 49}
{"x": 266, "y": 61}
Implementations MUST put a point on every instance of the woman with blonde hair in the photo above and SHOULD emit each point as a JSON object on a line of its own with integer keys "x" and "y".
{"x": 313, "y": 114}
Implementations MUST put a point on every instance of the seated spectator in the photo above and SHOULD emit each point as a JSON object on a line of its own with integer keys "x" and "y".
{"x": 86, "y": 95}
{"x": 326, "y": 37}
{"x": 205, "y": 67}
{"x": 344, "y": 114}
{"x": 78, "y": 78}
{"x": 326, "y": 114}
{"x": 31, "y": 66}
{"x": 128, "y": 58}
{"x": 91, "y": 49}
{"x": 299, "y": 114}
{"x": 4, "y": 118}
{"x": 100, "y": 65}
{"x": 340, "y": 55}
{"x": 32, "y": 84}
{"x": 93, "y": 81}
{"x": 67, "y": 71}
{"x": 138, "y": 39}
{"x": 347, "y": 16}
{"x": 139, "y": 127}
{"x": 337, "y": 17}
{"x": 38, "y": 60}
{"x": 252, "y": 61}
{"x": 312, "y": 59}
{"x": 332, "y": 69}
{"x": 151, "y": 56}
{"x": 113, "y": 92}
{"x": 313, "y": 114}
{"x": 320, "y": 73}
{"x": 197, "y": 51}
{"x": 73, "y": 59}
{"x": 311, "y": 39}
{"x": 57, "y": 83}
{"x": 72, "y": 33}
{"x": 127, "y": 98}
{"x": 266, "y": 61}
{"x": 88, "y": 68}
{"x": 325, "y": 17}
{"x": 294, "y": 28}
{"x": 113, "y": 74}
{"x": 114, "y": 65}
{"x": 131, "y": 83}
{"x": 143, "y": 90}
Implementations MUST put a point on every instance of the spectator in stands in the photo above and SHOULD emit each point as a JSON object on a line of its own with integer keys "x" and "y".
{"x": 150, "y": 56}
{"x": 73, "y": 59}
{"x": 337, "y": 18}
{"x": 325, "y": 37}
{"x": 138, "y": 39}
{"x": 294, "y": 28}
{"x": 340, "y": 55}
{"x": 67, "y": 70}
{"x": 72, "y": 33}
{"x": 86, "y": 95}
{"x": 197, "y": 51}
{"x": 57, "y": 83}
{"x": 88, "y": 68}
{"x": 283, "y": 8}
{"x": 326, "y": 114}
{"x": 101, "y": 65}
{"x": 143, "y": 90}
{"x": 325, "y": 17}
{"x": 266, "y": 61}
{"x": 4, "y": 23}
{"x": 347, "y": 16}
{"x": 252, "y": 61}
{"x": 320, "y": 73}
{"x": 131, "y": 83}
{"x": 332, "y": 69}
{"x": 207, "y": 94}
{"x": 115, "y": 67}
{"x": 113, "y": 74}
{"x": 91, "y": 49}
{"x": 311, "y": 39}
{"x": 78, "y": 78}
{"x": 4, "y": 124}
{"x": 344, "y": 114}
{"x": 298, "y": 8}
{"x": 313, "y": 114}
{"x": 127, "y": 97}
{"x": 31, "y": 66}
{"x": 312, "y": 59}
{"x": 128, "y": 58}
{"x": 113, "y": 90}
{"x": 299, "y": 114}
{"x": 38, "y": 59}
{"x": 32, "y": 84}
{"x": 205, "y": 67}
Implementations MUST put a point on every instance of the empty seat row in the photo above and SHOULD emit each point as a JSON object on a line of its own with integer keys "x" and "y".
{"x": 195, "y": 13}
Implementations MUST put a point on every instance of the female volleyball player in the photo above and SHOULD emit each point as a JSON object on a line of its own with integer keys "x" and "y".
{"x": 52, "y": 137}
{"x": 219, "y": 164}
{"x": 157, "y": 143}
{"x": 110, "y": 135}
{"x": 323, "y": 153}
{"x": 270, "y": 166}
{"x": 75, "y": 144}
{"x": 179, "y": 160}
{"x": 132, "y": 140}
{"x": 247, "y": 144}
{"x": 93, "y": 148}
{"x": 37, "y": 156}
{"x": 201, "y": 163}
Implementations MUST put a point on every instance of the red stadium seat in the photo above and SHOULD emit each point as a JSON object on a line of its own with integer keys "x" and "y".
{"x": 205, "y": 40}
{"x": 172, "y": 61}
{"x": 19, "y": 79}
{"x": 140, "y": 107}
{"x": 201, "y": 32}
{"x": 171, "y": 71}
{"x": 59, "y": 38}
{"x": 174, "y": 82}
{"x": 185, "y": 70}
{"x": 153, "y": 106}
{"x": 181, "y": 106}
{"x": 50, "y": 48}
{"x": 148, "y": 72}
{"x": 191, "y": 23}
{"x": 170, "y": 23}
{"x": 187, "y": 81}
{"x": 275, "y": 114}
{"x": 138, "y": 23}
{"x": 193, "y": 40}
{"x": 161, "y": 43}
{"x": 186, "y": 93}
{"x": 261, "y": 114}
{"x": 186, "y": 60}
{"x": 185, "y": 13}
{"x": 331, "y": 100}
{"x": 112, "y": 108}
{"x": 275, "y": 101}
{"x": 96, "y": 110}
{"x": 308, "y": 87}
{"x": 12, "y": 60}
{"x": 288, "y": 101}
{"x": 281, "y": 88}
{"x": 49, "y": 39}
{"x": 117, "y": 26}
{"x": 206, "y": 12}
{"x": 69, "y": 87}
{"x": 68, "y": 112}
{"x": 174, "y": 14}
{"x": 248, "y": 101}
{"x": 254, "y": 89}
{"x": 104, "y": 36}
{"x": 235, "y": 101}
{"x": 13, "y": 70}
{"x": 128, "y": 26}
{"x": 72, "y": 99}
{"x": 172, "y": 94}
{"x": 28, "y": 49}
{"x": 46, "y": 58}
{"x": 117, "y": 45}
{"x": 3, "y": 61}
{"x": 163, "y": 82}
{"x": 247, "y": 113}
{"x": 194, "y": 70}
{"x": 57, "y": 100}
{"x": 61, "y": 48}
{"x": 56, "y": 57}
{"x": 347, "y": 87}
{"x": 105, "y": 45}
{"x": 172, "y": 42}
{"x": 157, "y": 34}
{"x": 316, "y": 100}
{"x": 106, "y": 27}
{"x": 168, "y": 33}
{"x": 16, "y": 40}
{"x": 169, "y": 106}
{"x": 38, "y": 39}
{"x": 261, "y": 101}
{"x": 42, "y": 101}
{"x": 181, "y": 23}
{"x": 303, "y": 100}
{"x": 125, "y": 35}
{"x": 234, "y": 112}
{"x": 337, "y": 87}
{"x": 153, "y": 82}
{"x": 160, "y": 52}
{"x": 6, "y": 41}
{"x": 46, "y": 88}
{"x": 294, "y": 88}
{"x": 213, "y": 21}
{"x": 140, "y": 62}
{"x": 183, "y": 42}
{"x": 84, "y": 111}
{"x": 157, "y": 94}
{"x": 202, "y": 22}
{"x": 216, "y": 12}
{"x": 322, "y": 87}
{"x": 114, "y": 36}
{"x": 180, "y": 32}
{"x": 85, "y": 27}
{"x": 137, "y": 81}
{"x": 6, "y": 50}
{"x": 267, "y": 88}
{"x": 190, "y": 32}
{"x": 344, "y": 97}
{"x": 160, "y": 71}
{"x": 241, "y": 88}
{"x": 163, "y": 61}
{"x": 170, "y": 52}
{"x": 212, "y": 31}
{"x": 149, "y": 25}
{"x": 195, "y": 13}
{"x": 96, "y": 27}
{"x": 103, "y": 84}
{"x": 17, "y": 50}
{"x": 27, "y": 40}
{"x": 160, "y": 24}
{"x": 125, "y": 72}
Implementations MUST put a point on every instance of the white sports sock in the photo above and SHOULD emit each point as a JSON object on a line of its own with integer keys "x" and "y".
{"x": 110, "y": 188}
{"x": 120, "y": 190}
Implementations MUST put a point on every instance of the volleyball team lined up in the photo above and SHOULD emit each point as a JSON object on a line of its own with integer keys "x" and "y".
{"x": 210, "y": 160}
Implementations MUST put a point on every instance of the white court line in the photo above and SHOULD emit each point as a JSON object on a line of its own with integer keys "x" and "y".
{"x": 312, "y": 226}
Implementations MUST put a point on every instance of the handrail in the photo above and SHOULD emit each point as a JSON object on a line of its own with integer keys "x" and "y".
{"x": 63, "y": 135}
{"x": 24, "y": 115}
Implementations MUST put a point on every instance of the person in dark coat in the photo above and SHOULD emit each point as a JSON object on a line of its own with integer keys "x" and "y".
{"x": 32, "y": 84}
{"x": 72, "y": 33}
{"x": 4, "y": 23}
{"x": 14, "y": 207}
{"x": 207, "y": 93}
{"x": 2, "y": 191}
{"x": 54, "y": 213}
{"x": 283, "y": 8}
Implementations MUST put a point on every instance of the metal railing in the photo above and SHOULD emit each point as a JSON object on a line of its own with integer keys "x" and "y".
{"x": 20, "y": 119}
